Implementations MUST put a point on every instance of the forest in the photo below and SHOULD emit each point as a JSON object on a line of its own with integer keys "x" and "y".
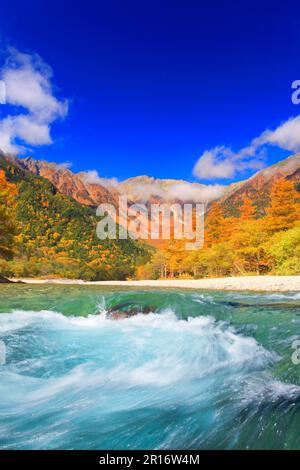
{"x": 250, "y": 242}
{"x": 44, "y": 233}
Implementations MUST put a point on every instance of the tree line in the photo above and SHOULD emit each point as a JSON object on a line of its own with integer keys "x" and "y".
{"x": 245, "y": 244}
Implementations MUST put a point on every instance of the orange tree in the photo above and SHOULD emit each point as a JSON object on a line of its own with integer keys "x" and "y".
{"x": 284, "y": 210}
{"x": 7, "y": 217}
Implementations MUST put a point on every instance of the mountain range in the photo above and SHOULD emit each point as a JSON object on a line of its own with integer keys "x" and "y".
{"x": 55, "y": 234}
{"x": 90, "y": 190}
{"x": 54, "y": 214}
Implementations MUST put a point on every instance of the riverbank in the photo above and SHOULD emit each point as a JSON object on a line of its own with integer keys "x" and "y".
{"x": 245, "y": 283}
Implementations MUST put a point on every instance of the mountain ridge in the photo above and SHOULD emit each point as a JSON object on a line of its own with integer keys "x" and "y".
{"x": 57, "y": 235}
{"x": 144, "y": 188}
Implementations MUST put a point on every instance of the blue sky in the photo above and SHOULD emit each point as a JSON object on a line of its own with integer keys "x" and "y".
{"x": 152, "y": 85}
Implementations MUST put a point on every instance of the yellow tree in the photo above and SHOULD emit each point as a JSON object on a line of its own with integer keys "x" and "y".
{"x": 247, "y": 209}
{"x": 247, "y": 245}
{"x": 218, "y": 228}
{"x": 284, "y": 209}
{"x": 7, "y": 220}
{"x": 213, "y": 225}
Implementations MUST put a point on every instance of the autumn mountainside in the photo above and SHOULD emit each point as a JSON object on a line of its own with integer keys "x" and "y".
{"x": 92, "y": 192}
{"x": 73, "y": 185}
{"x": 47, "y": 218}
{"x": 44, "y": 232}
{"x": 252, "y": 241}
{"x": 258, "y": 187}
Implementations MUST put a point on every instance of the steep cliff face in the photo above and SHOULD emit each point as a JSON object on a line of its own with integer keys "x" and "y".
{"x": 146, "y": 189}
{"x": 257, "y": 188}
{"x": 57, "y": 235}
{"x": 151, "y": 190}
{"x": 69, "y": 183}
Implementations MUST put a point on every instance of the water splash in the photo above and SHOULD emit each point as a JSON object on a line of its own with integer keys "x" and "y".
{"x": 179, "y": 377}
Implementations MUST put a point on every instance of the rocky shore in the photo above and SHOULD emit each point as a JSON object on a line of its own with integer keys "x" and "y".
{"x": 244, "y": 283}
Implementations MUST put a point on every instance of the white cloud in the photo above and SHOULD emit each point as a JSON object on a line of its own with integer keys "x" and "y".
{"x": 215, "y": 163}
{"x": 189, "y": 192}
{"x": 62, "y": 166}
{"x": 285, "y": 136}
{"x": 28, "y": 86}
{"x": 142, "y": 192}
{"x": 182, "y": 191}
{"x": 221, "y": 162}
{"x": 92, "y": 177}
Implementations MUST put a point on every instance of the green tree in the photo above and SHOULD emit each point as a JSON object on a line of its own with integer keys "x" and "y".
{"x": 284, "y": 250}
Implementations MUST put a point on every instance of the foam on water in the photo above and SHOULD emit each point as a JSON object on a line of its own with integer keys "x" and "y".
{"x": 91, "y": 382}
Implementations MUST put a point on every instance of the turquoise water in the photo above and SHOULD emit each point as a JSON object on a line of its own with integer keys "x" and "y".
{"x": 204, "y": 370}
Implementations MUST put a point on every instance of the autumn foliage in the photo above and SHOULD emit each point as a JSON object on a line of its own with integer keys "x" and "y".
{"x": 47, "y": 234}
{"x": 245, "y": 244}
{"x": 7, "y": 216}
{"x": 44, "y": 233}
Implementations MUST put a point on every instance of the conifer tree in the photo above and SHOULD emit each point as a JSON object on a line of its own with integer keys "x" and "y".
{"x": 247, "y": 209}
{"x": 284, "y": 209}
